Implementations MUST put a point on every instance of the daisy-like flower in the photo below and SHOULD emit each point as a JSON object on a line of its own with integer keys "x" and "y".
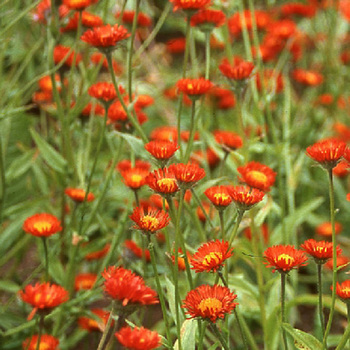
{"x": 136, "y": 250}
{"x": 138, "y": 338}
{"x": 123, "y": 285}
{"x": 325, "y": 229}
{"x": 164, "y": 133}
{"x": 78, "y": 194}
{"x": 211, "y": 256}
{"x": 245, "y": 197}
{"x": 103, "y": 91}
{"x": 105, "y": 38}
{"x": 42, "y": 225}
{"x": 187, "y": 175}
{"x": 66, "y": 54}
{"x": 341, "y": 260}
{"x": 210, "y": 302}
{"x": 307, "y": 77}
{"x": 190, "y": 5}
{"x": 257, "y": 175}
{"x": 161, "y": 149}
{"x": 327, "y": 152}
{"x": 321, "y": 251}
{"x": 88, "y": 20}
{"x": 219, "y": 196}
{"x": 194, "y": 88}
{"x": 135, "y": 178}
{"x": 149, "y": 220}
{"x": 284, "y": 258}
{"x": 208, "y": 19}
{"x": 85, "y": 281}
{"x": 91, "y": 324}
{"x": 43, "y": 296}
{"x": 228, "y": 140}
{"x": 343, "y": 291}
{"x": 163, "y": 182}
{"x": 240, "y": 70}
{"x": 47, "y": 342}
{"x": 78, "y": 5}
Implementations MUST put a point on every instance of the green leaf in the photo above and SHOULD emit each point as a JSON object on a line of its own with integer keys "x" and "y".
{"x": 50, "y": 155}
{"x": 135, "y": 143}
{"x": 19, "y": 166}
{"x": 9, "y": 286}
{"x": 188, "y": 338}
{"x": 302, "y": 340}
{"x": 171, "y": 296}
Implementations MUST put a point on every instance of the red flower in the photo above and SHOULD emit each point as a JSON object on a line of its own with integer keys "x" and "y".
{"x": 194, "y": 88}
{"x": 299, "y": 9}
{"x": 149, "y": 220}
{"x": 105, "y": 92}
{"x": 271, "y": 80}
{"x": 307, "y": 77}
{"x": 321, "y": 251}
{"x": 85, "y": 281}
{"x": 162, "y": 181}
{"x": 127, "y": 165}
{"x": 105, "y": 36}
{"x": 284, "y": 258}
{"x": 206, "y": 206}
{"x": 135, "y": 178}
{"x": 282, "y": 29}
{"x": 142, "y": 19}
{"x": 137, "y": 251}
{"x": 65, "y": 54}
{"x": 99, "y": 253}
{"x": 176, "y": 45}
{"x": 181, "y": 264}
{"x": 325, "y": 229}
{"x": 43, "y": 11}
{"x": 92, "y": 109}
{"x": 262, "y": 19}
{"x": 88, "y": 20}
{"x": 211, "y": 256}
{"x": 190, "y": 4}
{"x": 245, "y": 197}
{"x": 341, "y": 169}
{"x": 78, "y": 4}
{"x": 341, "y": 260}
{"x": 78, "y": 194}
{"x": 138, "y": 338}
{"x": 187, "y": 175}
{"x": 207, "y": 19}
{"x": 44, "y": 296}
{"x": 257, "y": 175}
{"x": 343, "y": 291}
{"x": 219, "y": 196}
{"x": 239, "y": 70}
{"x": 210, "y": 302}
{"x": 164, "y": 133}
{"x": 42, "y": 225}
{"x": 228, "y": 140}
{"x": 123, "y": 285}
{"x": 47, "y": 342}
{"x": 161, "y": 149}
{"x": 91, "y": 324}
{"x": 222, "y": 98}
{"x": 327, "y": 152}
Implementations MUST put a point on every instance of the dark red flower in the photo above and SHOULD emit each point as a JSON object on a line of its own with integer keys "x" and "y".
{"x": 262, "y": 19}
{"x": 143, "y": 20}
{"x": 138, "y": 338}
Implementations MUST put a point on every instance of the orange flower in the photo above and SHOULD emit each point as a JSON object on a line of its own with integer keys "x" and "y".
{"x": 78, "y": 194}
{"x": 194, "y": 88}
{"x": 245, "y": 197}
{"x": 206, "y": 206}
{"x": 105, "y": 92}
{"x": 208, "y": 19}
{"x": 161, "y": 149}
{"x": 298, "y": 9}
{"x": 343, "y": 291}
{"x": 239, "y": 70}
{"x": 282, "y": 29}
{"x": 176, "y": 45}
{"x": 43, "y": 11}
{"x": 136, "y": 250}
{"x": 262, "y": 19}
{"x": 165, "y": 133}
{"x": 284, "y": 258}
{"x": 181, "y": 259}
{"x": 327, "y": 152}
{"x": 65, "y": 54}
{"x": 85, "y": 281}
{"x": 210, "y": 302}
{"x": 307, "y": 77}
{"x": 43, "y": 296}
{"x": 91, "y": 324}
{"x": 99, "y": 253}
{"x": 42, "y": 225}
{"x": 211, "y": 256}
{"x": 78, "y": 4}
{"x": 135, "y": 178}
{"x": 47, "y": 342}
{"x": 219, "y": 196}
{"x": 88, "y": 20}
{"x": 222, "y": 98}
{"x": 341, "y": 260}
{"x": 123, "y": 285}
{"x": 325, "y": 229}
{"x": 105, "y": 37}
{"x": 187, "y": 175}
{"x": 126, "y": 164}
{"x": 138, "y": 338}
{"x": 257, "y": 175}
{"x": 162, "y": 181}
{"x": 143, "y": 20}
{"x": 191, "y": 5}
{"x": 91, "y": 109}
{"x": 149, "y": 220}
{"x": 228, "y": 140}
{"x": 321, "y": 251}
{"x": 341, "y": 169}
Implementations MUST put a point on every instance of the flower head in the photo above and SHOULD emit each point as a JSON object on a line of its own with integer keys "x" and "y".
{"x": 210, "y": 302}
{"x": 123, "y": 285}
{"x": 85, "y": 281}
{"x": 325, "y": 229}
{"x": 138, "y": 338}
{"x": 99, "y": 253}
{"x": 257, "y": 175}
{"x": 194, "y": 88}
{"x": 165, "y": 133}
{"x": 307, "y": 77}
{"x": 228, "y": 140}
{"x": 42, "y": 225}
{"x": 187, "y": 175}
{"x": 47, "y": 342}
{"x": 211, "y": 256}
{"x": 208, "y": 19}
{"x": 136, "y": 250}
{"x": 78, "y": 194}
{"x": 105, "y": 92}
{"x": 219, "y": 196}
{"x": 343, "y": 291}
{"x": 65, "y": 54}
{"x": 240, "y": 70}
{"x": 161, "y": 149}
{"x": 245, "y": 197}
{"x": 181, "y": 264}
{"x": 78, "y": 4}
{"x": 341, "y": 261}
{"x": 163, "y": 182}
{"x": 149, "y": 220}
{"x": 143, "y": 20}
{"x": 91, "y": 324}
{"x": 135, "y": 177}
{"x": 327, "y": 152}
{"x": 88, "y": 20}
{"x": 191, "y": 5}
{"x": 321, "y": 251}
{"x": 284, "y": 258}
{"x": 105, "y": 37}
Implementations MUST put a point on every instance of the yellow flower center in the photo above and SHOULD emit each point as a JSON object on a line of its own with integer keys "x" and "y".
{"x": 221, "y": 197}
{"x": 136, "y": 178}
{"x": 287, "y": 258}
{"x": 212, "y": 257}
{"x": 44, "y": 346}
{"x": 257, "y": 177}
{"x": 346, "y": 290}
{"x": 321, "y": 249}
{"x": 42, "y": 226}
{"x": 213, "y": 304}
{"x": 149, "y": 223}
{"x": 167, "y": 184}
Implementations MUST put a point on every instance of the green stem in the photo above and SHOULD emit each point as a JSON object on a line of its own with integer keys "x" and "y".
{"x": 192, "y": 133}
{"x": 46, "y": 258}
{"x": 345, "y": 338}
{"x": 195, "y": 195}
{"x": 241, "y": 329}
{"x": 219, "y": 335}
{"x": 41, "y": 328}
{"x": 106, "y": 330}
{"x": 334, "y": 275}
{"x": 187, "y": 46}
{"x": 320, "y": 304}
{"x": 283, "y": 306}
{"x": 235, "y": 228}
{"x": 2, "y": 181}
{"x": 207, "y": 55}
